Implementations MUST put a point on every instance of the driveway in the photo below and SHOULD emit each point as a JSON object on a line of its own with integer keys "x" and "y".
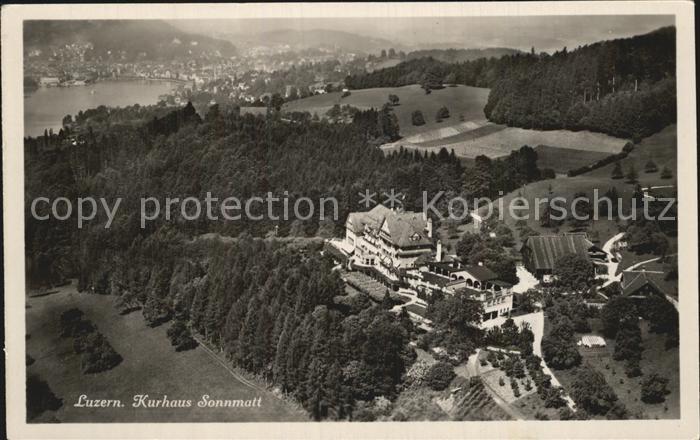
{"x": 536, "y": 321}
{"x": 612, "y": 266}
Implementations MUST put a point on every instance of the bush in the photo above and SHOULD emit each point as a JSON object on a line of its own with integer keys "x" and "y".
{"x": 97, "y": 354}
{"x": 654, "y": 389}
{"x": 69, "y": 320}
{"x": 345, "y": 94}
{"x": 439, "y": 376}
{"x": 40, "y": 398}
{"x": 565, "y": 413}
{"x": 591, "y": 392}
{"x": 180, "y": 337}
{"x": 442, "y": 113}
{"x": 650, "y": 167}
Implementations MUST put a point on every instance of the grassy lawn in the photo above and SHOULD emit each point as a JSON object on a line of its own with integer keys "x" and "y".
{"x": 150, "y": 366}
{"x": 599, "y": 230}
{"x": 562, "y": 160}
{"x": 655, "y": 359}
{"x": 467, "y": 101}
{"x": 660, "y": 147}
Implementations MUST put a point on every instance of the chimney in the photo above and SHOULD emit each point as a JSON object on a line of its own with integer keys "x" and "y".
{"x": 429, "y": 227}
{"x": 438, "y": 252}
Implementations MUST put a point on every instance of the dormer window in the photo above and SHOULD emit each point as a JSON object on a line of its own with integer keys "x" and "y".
{"x": 415, "y": 237}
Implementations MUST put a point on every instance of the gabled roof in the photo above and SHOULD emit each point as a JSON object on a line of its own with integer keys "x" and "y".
{"x": 407, "y": 229}
{"x": 548, "y": 249}
{"x": 637, "y": 281}
{"x": 374, "y": 218}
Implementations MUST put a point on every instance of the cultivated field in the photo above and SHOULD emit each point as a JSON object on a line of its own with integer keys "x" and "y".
{"x": 150, "y": 366}
{"x": 561, "y": 160}
{"x": 500, "y": 142}
{"x": 461, "y": 100}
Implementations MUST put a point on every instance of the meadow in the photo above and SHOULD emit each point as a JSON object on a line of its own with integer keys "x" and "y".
{"x": 150, "y": 366}
{"x": 461, "y": 100}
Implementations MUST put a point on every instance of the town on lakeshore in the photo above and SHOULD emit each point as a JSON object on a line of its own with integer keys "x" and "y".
{"x": 389, "y": 312}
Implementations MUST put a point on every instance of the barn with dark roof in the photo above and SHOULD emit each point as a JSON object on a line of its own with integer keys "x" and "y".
{"x": 541, "y": 252}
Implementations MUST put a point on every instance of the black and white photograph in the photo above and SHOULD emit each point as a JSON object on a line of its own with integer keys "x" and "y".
{"x": 400, "y": 217}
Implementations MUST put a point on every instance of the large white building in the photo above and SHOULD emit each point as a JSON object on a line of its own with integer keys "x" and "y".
{"x": 388, "y": 240}
{"x": 400, "y": 246}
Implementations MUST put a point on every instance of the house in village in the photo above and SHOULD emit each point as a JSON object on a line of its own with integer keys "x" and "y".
{"x": 541, "y": 252}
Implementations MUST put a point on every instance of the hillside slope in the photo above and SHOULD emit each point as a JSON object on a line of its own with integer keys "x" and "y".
{"x": 461, "y": 100}
{"x": 126, "y": 40}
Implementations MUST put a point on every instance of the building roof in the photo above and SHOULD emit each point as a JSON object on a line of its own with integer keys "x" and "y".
{"x": 637, "y": 280}
{"x": 374, "y": 218}
{"x": 481, "y": 273}
{"x": 407, "y": 229}
{"x": 548, "y": 249}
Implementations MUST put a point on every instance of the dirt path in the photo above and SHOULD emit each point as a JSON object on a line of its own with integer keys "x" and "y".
{"x": 536, "y": 321}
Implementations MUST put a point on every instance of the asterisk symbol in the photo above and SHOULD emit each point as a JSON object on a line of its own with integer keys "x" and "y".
{"x": 367, "y": 198}
{"x": 393, "y": 198}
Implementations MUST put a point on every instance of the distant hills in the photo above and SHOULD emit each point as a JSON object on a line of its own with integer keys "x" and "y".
{"x": 315, "y": 38}
{"x": 124, "y": 39}
{"x": 462, "y": 55}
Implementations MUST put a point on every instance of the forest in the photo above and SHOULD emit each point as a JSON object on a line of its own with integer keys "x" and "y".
{"x": 624, "y": 87}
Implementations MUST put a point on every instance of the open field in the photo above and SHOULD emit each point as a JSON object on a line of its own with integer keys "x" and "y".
{"x": 562, "y": 160}
{"x": 502, "y": 142}
{"x": 467, "y": 101}
{"x": 655, "y": 359}
{"x": 456, "y": 133}
{"x": 661, "y": 147}
{"x": 150, "y": 366}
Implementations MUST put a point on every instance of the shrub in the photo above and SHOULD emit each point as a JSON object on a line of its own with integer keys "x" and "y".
{"x": 180, "y": 337}
{"x": 442, "y": 113}
{"x": 97, "y": 354}
{"x": 591, "y": 392}
{"x": 666, "y": 173}
{"x": 69, "y": 320}
{"x": 650, "y": 167}
{"x": 565, "y": 413}
{"x": 439, "y": 376}
{"x": 40, "y": 398}
{"x": 654, "y": 389}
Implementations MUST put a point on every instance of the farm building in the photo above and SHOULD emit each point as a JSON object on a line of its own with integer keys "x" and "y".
{"x": 640, "y": 284}
{"x": 541, "y": 252}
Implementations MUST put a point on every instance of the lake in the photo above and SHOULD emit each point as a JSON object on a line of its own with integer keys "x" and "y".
{"x": 46, "y": 107}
